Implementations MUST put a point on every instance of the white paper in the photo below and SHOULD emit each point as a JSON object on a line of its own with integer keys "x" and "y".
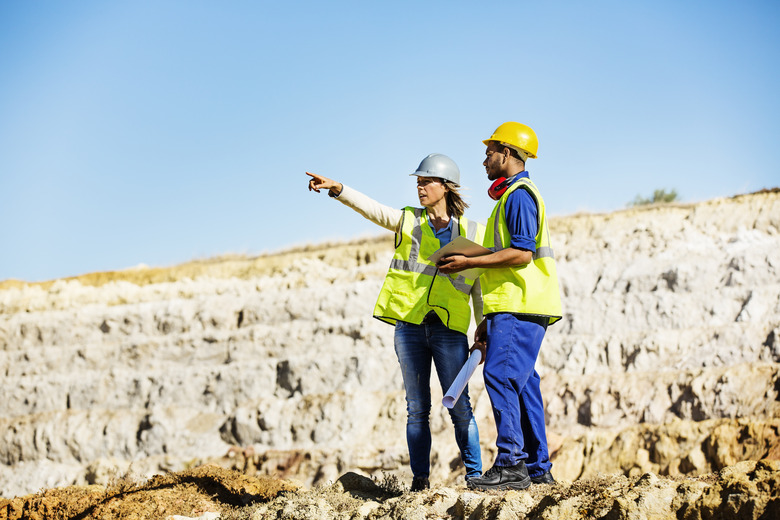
{"x": 457, "y": 386}
{"x": 461, "y": 245}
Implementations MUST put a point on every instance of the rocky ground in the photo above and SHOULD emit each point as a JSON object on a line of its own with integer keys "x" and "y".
{"x": 749, "y": 490}
{"x": 662, "y": 383}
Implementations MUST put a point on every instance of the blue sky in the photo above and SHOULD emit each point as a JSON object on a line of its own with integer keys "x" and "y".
{"x": 158, "y": 132}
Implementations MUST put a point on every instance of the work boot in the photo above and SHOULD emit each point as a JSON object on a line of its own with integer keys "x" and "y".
{"x": 502, "y": 477}
{"x": 544, "y": 478}
{"x": 420, "y": 483}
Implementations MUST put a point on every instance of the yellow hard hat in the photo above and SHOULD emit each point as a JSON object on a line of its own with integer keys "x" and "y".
{"x": 518, "y": 136}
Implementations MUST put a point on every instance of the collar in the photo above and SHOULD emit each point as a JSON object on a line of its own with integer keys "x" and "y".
{"x": 511, "y": 180}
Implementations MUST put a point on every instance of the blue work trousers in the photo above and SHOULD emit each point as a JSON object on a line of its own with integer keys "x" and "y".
{"x": 512, "y": 384}
{"x": 416, "y": 346}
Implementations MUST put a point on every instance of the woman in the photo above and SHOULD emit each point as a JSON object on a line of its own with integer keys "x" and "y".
{"x": 430, "y": 310}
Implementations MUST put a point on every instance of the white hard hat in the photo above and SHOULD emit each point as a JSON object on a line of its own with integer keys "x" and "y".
{"x": 439, "y": 165}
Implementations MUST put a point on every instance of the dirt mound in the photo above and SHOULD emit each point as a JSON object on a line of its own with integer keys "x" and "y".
{"x": 748, "y": 490}
{"x": 186, "y": 493}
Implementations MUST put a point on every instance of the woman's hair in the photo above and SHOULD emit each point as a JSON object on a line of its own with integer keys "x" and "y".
{"x": 455, "y": 203}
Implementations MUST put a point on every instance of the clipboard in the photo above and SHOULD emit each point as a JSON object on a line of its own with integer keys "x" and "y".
{"x": 461, "y": 245}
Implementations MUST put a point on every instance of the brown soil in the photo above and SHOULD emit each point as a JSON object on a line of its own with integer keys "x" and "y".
{"x": 187, "y": 493}
{"x": 749, "y": 490}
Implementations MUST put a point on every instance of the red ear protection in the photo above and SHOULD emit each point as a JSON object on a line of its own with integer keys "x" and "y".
{"x": 498, "y": 188}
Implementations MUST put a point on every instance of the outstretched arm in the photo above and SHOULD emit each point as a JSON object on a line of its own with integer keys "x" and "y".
{"x": 385, "y": 216}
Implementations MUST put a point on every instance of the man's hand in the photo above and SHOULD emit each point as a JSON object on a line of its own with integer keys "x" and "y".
{"x": 318, "y": 182}
{"x": 453, "y": 264}
{"x": 480, "y": 340}
{"x": 480, "y": 335}
{"x": 482, "y": 347}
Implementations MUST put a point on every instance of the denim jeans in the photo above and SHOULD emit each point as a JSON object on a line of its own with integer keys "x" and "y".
{"x": 512, "y": 384}
{"x": 416, "y": 346}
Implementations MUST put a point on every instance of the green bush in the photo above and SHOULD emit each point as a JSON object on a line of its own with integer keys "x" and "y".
{"x": 659, "y": 197}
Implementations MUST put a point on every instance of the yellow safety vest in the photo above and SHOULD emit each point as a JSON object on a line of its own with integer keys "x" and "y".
{"x": 528, "y": 289}
{"x": 414, "y": 286}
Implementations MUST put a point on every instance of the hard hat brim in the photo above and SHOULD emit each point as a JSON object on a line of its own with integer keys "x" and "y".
{"x": 418, "y": 173}
{"x": 433, "y": 176}
{"x": 529, "y": 154}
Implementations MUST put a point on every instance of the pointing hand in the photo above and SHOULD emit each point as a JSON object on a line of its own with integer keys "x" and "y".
{"x": 318, "y": 182}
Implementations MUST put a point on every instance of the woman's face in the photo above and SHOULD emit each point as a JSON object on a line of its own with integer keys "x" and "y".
{"x": 430, "y": 190}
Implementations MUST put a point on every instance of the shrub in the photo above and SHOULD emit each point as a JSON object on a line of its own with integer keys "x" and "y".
{"x": 659, "y": 197}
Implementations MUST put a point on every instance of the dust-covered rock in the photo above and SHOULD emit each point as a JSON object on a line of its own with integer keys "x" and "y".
{"x": 667, "y": 361}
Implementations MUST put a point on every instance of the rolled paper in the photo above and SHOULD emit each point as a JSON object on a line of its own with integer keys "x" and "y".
{"x": 457, "y": 386}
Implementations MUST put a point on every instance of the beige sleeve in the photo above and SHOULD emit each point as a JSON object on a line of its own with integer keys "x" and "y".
{"x": 385, "y": 216}
{"x": 476, "y": 301}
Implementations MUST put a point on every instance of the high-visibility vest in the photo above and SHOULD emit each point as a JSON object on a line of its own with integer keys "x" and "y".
{"x": 530, "y": 289}
{"x": 414, "y": 286}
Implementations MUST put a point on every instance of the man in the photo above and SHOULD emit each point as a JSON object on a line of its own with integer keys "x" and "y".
{"x": 521, "y": 298}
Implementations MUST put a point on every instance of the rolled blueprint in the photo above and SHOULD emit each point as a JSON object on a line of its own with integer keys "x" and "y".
{"x": 457, "y": 386}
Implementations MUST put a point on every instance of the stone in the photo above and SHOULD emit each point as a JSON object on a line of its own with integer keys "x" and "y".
{"x": 666, "y": 360}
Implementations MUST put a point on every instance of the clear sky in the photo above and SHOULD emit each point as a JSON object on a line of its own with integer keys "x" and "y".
{"x": 157, "y": 132}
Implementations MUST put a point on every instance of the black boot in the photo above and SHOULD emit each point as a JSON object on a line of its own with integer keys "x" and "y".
{"x": 420, "y": 483}
{"x": 502, "y": 477}
{"x": 544, "y": 478}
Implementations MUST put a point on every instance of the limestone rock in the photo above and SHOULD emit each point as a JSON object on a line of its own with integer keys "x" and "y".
{"x": 669, "y": 350}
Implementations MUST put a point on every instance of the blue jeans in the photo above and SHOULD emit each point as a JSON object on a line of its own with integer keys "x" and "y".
{"x": 512, "y": 384}
{"x": 416, "y": 346}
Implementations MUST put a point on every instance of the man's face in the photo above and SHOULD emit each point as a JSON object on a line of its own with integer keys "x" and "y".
{"x": 495, "y": 161}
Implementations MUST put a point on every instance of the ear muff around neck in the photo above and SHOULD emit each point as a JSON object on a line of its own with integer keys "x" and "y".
{"x": 498, "y": 188}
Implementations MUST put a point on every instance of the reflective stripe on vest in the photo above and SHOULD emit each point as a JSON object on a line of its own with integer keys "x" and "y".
{"x": 413, "y": 266}
{"x": 541, "y": 252}
{"x": 533, "y": 288}
{"x": 414, "y": 287}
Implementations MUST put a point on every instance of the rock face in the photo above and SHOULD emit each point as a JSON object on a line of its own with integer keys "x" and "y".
{"x": 667, "y": 359}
